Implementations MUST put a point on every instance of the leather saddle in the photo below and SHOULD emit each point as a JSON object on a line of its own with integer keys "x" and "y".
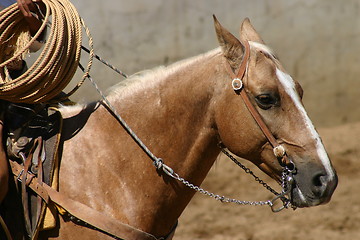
{"x": 33, "y": 136}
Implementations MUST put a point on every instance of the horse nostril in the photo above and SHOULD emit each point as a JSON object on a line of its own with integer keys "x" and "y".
{"x": 319, "y": 180}
{"x": 319, "y": 184}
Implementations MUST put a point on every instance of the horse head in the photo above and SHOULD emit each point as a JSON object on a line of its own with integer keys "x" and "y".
{"x": 277, "y": 98}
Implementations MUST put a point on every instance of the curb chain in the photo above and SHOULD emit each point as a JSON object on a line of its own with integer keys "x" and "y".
{"x": 248, "y": 171}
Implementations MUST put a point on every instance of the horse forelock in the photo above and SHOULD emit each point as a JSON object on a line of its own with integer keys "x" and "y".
{"x": 264, "y": 49}
{"x": 144, "y": 80}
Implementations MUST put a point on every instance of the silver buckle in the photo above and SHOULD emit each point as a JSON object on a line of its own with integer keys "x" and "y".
{"x": 237, "y": 84}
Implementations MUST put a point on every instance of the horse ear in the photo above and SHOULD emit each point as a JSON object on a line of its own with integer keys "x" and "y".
{"x": 248, "y": 32}
{"x": 230, "y": 45}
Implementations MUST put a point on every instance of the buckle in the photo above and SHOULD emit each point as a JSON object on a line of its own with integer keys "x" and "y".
{"x": 237, "y": 84}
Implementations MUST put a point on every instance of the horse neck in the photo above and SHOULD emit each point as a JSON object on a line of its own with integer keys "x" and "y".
{"x": 175, "y": 120}
{"x": 178, "y": 106}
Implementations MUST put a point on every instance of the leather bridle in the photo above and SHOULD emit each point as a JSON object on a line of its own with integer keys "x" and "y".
{"x": 238, "y": 86}
{"x": 288, "y": 166}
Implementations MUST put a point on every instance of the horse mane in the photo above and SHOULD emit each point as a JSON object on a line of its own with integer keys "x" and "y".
{"x": 143, "y": 80}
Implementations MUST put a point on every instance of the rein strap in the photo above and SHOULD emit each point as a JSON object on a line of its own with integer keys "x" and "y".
{"x": 80, "y": 211}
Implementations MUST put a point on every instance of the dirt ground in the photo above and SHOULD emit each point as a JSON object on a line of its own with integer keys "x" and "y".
{"x": 209, "y": 219}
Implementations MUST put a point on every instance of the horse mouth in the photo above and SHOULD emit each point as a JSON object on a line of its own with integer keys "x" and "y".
{"x": 313, "y": 195}
{"x": 299, "y": 200}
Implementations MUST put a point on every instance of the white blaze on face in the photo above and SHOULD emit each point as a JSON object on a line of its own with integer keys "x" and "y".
{"x": 289, "y": 86}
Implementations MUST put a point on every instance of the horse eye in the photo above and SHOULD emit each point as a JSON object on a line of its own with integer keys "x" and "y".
{"x": 265, "y": 101}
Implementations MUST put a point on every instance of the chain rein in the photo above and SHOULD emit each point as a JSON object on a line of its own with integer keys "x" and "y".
{"x": 160, "y": 165}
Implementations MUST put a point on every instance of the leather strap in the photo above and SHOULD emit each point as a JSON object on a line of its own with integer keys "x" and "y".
{"x": 32, "y": 182}
{"x": 97, "y": 219}
{"x": 24, "y": 196}
{"x": 81, "y": 211}
{"x": 5, "y": 229}
{"x": 254, "y": 112}
{"x": 40, "y": 207}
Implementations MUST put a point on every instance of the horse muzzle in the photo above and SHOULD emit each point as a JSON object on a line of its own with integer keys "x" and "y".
{"x": 312, "y": 186}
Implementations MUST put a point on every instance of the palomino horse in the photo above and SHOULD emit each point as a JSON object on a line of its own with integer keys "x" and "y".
{"x": 182, "y": 113}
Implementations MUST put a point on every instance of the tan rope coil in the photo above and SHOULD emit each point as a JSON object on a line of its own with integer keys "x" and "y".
{"x": 58, "y": 61}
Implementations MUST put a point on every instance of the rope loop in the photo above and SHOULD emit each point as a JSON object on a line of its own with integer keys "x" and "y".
{"x": 57, "y": 63}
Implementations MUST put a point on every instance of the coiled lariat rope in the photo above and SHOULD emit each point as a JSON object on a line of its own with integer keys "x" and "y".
{"x": 45, "y": 79}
